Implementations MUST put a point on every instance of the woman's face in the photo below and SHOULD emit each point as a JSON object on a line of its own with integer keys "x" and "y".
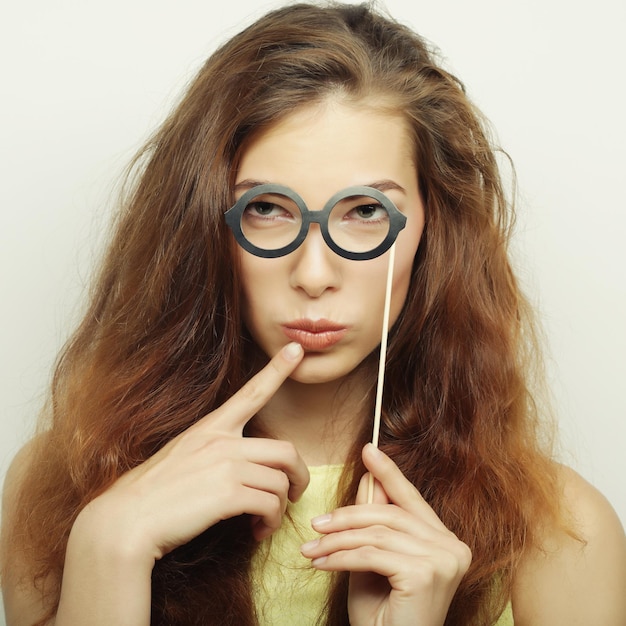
{"x": 332, "y": 306}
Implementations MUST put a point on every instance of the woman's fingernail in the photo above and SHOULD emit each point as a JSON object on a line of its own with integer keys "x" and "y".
{"x": 322, "y": 520}
{"x": 319, "y": 561}
{"x": 292, "y": 351}
{"x": 309, "y": 545}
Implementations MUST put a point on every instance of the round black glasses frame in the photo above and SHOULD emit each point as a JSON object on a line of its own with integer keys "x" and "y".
{"x": 397, "y": 221}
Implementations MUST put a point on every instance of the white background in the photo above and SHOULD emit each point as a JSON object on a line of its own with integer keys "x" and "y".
{"x": 83, "y": 83}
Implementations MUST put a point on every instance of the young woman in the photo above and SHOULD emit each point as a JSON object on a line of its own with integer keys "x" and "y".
{"x": 178, "y": 471}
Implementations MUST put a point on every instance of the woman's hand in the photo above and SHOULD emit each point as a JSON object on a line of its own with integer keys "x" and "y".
{"x": 208, "y": 473}
{"x": 405, "y": 564}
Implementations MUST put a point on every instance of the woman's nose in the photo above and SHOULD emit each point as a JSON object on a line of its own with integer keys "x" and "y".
{"x": 315, "y": 266}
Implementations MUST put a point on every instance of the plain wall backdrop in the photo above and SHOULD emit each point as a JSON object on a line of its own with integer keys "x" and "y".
{"x": 84, "y": 83}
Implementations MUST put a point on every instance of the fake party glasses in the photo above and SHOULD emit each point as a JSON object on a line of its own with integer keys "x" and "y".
{"x": 357, "y": 223}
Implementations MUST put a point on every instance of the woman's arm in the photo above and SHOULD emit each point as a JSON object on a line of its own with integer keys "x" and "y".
{"x": 208, "y": 473}
{"x": 576, "y": 582}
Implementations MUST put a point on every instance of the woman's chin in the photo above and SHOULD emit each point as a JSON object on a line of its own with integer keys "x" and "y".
{"x": 323, "y": 367}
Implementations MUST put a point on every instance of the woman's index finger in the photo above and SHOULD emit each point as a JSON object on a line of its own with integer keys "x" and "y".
{"x": 235, "y": 413}
{"x": 399, "y": 490}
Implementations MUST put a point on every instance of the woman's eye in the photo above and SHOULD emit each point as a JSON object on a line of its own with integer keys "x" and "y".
{"x": 265, "y": 213}
{"x": 263, "y": 208}
{"x": 368, "y": 212}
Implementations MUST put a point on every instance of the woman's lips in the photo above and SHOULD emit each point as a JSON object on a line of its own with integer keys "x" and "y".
{"x": 314, "y": 336}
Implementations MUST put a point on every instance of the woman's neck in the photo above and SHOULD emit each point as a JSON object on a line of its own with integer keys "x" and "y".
{"x": 321, "y": 420}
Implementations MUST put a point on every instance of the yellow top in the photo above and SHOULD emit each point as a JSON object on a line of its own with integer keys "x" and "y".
{"x": 286, "y": 589}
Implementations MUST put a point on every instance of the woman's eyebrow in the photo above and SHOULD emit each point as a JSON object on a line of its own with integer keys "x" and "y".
{"x": 381, "y": 185}
{"x": 248, "y": 183}
{"x": 386, "y": 185}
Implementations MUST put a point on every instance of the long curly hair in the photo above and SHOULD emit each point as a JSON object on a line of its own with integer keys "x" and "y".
{"x": 162, "y": 342}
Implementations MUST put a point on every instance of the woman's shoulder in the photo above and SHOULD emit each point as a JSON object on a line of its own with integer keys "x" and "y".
{"x": 18, "y": 469}
{"x": 577, "y": 575}
{"x": 22, "y": 603}
{"x": 13, "y": 480}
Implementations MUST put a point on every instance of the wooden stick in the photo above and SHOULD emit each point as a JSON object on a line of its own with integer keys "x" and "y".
{"x": 381, "y": 364}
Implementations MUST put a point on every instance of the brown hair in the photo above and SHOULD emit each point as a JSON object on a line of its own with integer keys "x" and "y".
{"x": 161, "y": 344}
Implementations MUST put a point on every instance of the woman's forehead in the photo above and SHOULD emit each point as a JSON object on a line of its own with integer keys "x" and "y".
{"x": 320, "y": 149}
